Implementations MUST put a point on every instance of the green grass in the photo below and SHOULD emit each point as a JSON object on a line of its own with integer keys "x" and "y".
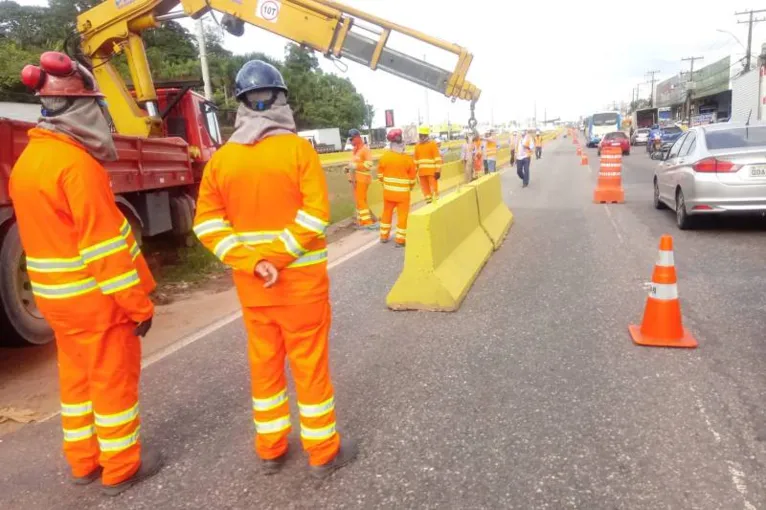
{"x": 185, "y": 264}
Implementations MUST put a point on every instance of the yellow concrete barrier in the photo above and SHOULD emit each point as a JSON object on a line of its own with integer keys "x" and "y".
{"x": 446, "y": 249}
{"x": 494, "y": 216}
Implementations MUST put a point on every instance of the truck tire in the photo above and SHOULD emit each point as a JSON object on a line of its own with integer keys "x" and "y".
{"x": 20, "y": 321}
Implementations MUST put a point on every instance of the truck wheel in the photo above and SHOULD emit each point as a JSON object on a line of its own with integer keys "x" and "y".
{"x": 21, "y": 320}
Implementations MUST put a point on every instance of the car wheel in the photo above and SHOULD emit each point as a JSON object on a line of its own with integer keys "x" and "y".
{"x": 658, "y": 204}
{"x": 683, "y": 220}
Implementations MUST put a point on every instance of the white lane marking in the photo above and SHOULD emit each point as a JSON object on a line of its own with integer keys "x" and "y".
{"x": 709, "y": 425}
{"x": 614, "y": 223}
{"x": 738, "y": 479}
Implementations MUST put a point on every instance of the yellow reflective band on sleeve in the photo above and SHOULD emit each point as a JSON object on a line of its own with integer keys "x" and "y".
{"x": 319, "y": 434}
{"x": 273, "y": 426}
{"x": 211, "y": 227}
{"x": 103, "y": 249}
{"x": 117, "y": 419}
{"x": 64, "y": 290}
{"x": 225, "y": 245}
{"x": 259, "y": 237}
{"x": 317, "y": 410}
{"x": 309, "y": 259}
{"x": 367, "y": 164}
{"x": 135, "y": 251}
{"x": 121, "y": 443}
{"x": 73, "y": 410}
{"x": 121, "y": 282}
{"x": 292, "y": 245}
{"x": 310, "y": 222}
{"x": 69, "y": 265}
{"x": 266, "y": 404}
{"x": 125, "y": 228}
{"x": 72, "y": 435}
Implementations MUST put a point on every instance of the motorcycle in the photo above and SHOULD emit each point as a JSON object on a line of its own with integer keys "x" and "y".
{"x": 655, "y": 145}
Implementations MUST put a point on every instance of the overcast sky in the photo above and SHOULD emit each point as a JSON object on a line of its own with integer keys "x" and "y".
{"x": 568, "y": 57}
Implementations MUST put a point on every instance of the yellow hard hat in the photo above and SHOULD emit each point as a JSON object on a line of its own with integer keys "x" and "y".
{"x": 424, "y": 130}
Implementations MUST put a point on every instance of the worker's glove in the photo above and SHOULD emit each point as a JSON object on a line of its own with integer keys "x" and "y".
{"x": 143, "y": 327}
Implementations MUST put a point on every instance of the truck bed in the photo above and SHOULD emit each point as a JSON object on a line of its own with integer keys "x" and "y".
{"x": 143, "y": 164}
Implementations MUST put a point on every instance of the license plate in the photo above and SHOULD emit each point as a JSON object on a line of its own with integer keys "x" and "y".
{"x": 758, "y": 171}
{"x": 615, "y": 144}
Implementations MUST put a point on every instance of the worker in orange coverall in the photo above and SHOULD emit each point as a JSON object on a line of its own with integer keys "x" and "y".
{"x": 88, "y": 276}
{"x": 360, "y": 176}
{"x": 263, "y": 209}
{"x": 428, "y": 160}
{"x": 396, "y": 170}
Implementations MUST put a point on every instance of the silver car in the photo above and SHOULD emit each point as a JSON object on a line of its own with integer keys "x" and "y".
{"x": 640, "y": 137}
{"x": 714, "y": 169}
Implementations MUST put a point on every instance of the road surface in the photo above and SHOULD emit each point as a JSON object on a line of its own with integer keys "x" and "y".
{"x": 532, "y": 396}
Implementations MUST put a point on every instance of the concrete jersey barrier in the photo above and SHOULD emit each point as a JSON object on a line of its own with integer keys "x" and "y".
{"x": 494, "y": 216}
{"x": 446, "y": 249}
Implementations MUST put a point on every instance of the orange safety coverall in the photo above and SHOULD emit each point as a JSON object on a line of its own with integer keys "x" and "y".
{"x": 269, "y": 201}
{"x": 428, "y": 160}
{"x": 478, "y": 159}
{"x": 91, "y": 284}
{"x": 397, "y": 173}
{"x": 361, "y": 161}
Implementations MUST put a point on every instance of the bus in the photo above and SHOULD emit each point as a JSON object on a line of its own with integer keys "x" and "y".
{"x": 601, "y": 123}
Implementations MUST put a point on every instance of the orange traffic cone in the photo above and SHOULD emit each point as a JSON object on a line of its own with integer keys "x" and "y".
{"x": 609, "y": 185}
{"x": 662, "y": 326}
{"x": 579, "y": 150}
{"x": 584, "y": 160}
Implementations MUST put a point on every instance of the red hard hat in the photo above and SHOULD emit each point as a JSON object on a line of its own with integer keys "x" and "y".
{"x": 394, "y": 135}
{"x": 60, "y": 76}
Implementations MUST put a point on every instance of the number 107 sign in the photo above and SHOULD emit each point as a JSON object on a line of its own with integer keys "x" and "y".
{"x": 268, "y": 10}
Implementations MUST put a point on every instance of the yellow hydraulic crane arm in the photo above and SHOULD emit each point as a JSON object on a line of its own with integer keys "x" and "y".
{"x": 115, "y": 26}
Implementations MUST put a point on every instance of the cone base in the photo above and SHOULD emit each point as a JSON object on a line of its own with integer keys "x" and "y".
{"x": 687, "y": 341}
{"x": 609, "y": 196}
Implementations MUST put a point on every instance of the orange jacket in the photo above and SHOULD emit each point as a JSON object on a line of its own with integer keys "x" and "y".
{"x": 428, "y": 158}
{"x": 478, "y": 155}
{"x": 361, "y": 161}
{"x": 82, "y": 257}
{"x": 268, "y": 201}
{"x": 397, "y": 173}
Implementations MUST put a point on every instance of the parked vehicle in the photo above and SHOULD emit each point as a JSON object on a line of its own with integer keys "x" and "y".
{"x": 714, "y": 169}
{"x": 324, "y": 140}
{"x": 640, "y": 136}
{"x": 615, "y": 139}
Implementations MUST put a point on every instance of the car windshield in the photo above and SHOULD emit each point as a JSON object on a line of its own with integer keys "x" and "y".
{"x": 615, "y": 136}
{"x": 673, "y": 130}
{"x": 604, "y": 119}
{"x": 736, "y": 138}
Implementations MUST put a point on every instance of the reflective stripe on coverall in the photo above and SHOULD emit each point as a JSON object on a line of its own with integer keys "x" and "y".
{"x": 397, "y": 173}
{"x": 269, "y": 201}
{"x": 362, "y": 163}
{"x": 428, "y": 160}
{"x": 91, "y": 284}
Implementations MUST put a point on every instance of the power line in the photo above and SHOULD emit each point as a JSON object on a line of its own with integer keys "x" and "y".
{"x": 651, "y": 94}
{"x": 750, "y": 21}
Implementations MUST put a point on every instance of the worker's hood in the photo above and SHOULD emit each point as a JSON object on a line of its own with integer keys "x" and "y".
{"x": 398, "y": 147}
{"x": 252, "y": 126}
{"x": 84, "y": 122}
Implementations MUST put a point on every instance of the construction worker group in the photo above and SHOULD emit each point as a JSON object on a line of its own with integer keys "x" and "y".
{"x": 263, "y": 209}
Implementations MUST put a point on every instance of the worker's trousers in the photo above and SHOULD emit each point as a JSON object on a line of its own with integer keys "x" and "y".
{"x": 300, "y": 333}
{"x": 467, "y": 171}
{"x": 363, "y": 213}
{"x": 402, "y": 207}
{"x": 430, "y": 187}
{"x": 98, "y": 377}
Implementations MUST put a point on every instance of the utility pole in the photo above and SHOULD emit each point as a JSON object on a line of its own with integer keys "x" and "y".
{"x": 690, "y": 89}
{"x": 750, "y": 21}
{"x": 203, "y": 60}
{"x": 651, "y": 95}
{"x": 425, "y": 93}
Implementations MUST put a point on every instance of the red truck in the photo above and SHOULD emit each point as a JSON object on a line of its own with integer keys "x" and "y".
{"x": 154, "y": 180}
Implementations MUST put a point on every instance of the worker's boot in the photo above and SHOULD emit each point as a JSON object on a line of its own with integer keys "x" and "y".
{"x": 346, "y": 453}
{"x": 400, "y": 245}
{"x": 151, "y": 463}
{"x": 273, "y": 466}
{"x": 89, "y": 478}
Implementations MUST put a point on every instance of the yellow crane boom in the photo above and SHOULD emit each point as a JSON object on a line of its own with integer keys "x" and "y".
{"x": 115, "y": 27}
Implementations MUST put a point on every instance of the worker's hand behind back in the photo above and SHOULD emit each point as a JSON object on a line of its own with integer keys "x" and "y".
{"x": 268, "y": 272}
{"x": 142, "y": 328}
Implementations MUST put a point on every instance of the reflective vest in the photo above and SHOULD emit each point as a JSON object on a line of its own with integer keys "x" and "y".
{"x": 491, "y": 151}
{"x": 268, "y": 201}
{"x": 81, "y": 255}
{"x": 397, "y": 173}
{"x": 538, "y": 141}
{"x": 428, "y": 159}
{"x": 361, "y": 161}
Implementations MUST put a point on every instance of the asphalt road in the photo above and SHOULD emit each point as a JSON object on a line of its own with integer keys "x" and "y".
{"x": 532, "y": 396}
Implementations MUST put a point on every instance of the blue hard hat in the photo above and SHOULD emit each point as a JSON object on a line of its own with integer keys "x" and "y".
{"x": 258, "y": 75}
{"x": 353, "y": 132}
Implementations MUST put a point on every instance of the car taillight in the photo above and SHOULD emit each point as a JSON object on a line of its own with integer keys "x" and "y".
{"x": 713, "y": 165}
